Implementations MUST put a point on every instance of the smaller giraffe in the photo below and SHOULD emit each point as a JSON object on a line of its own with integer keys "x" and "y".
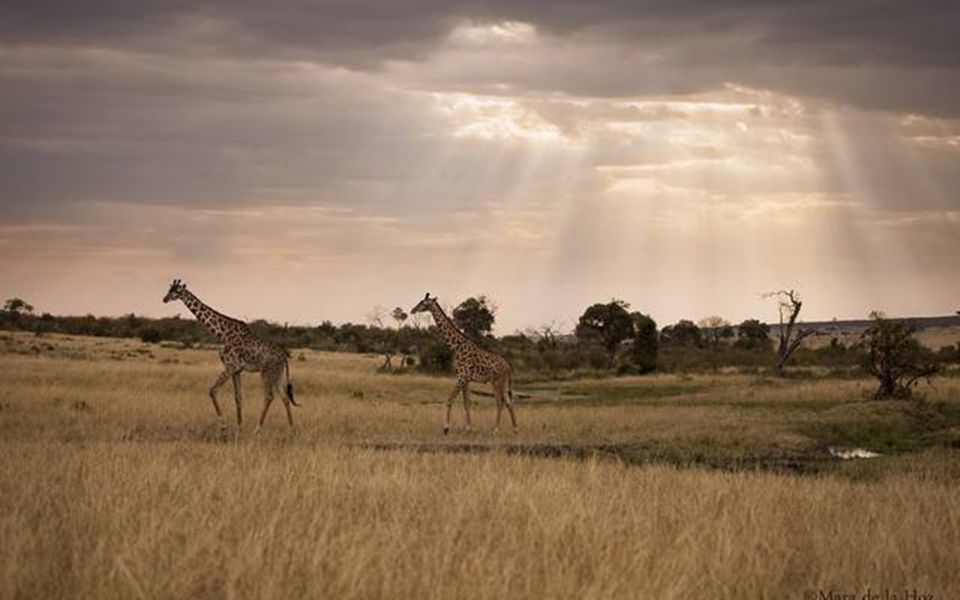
{"x": 473, "y": 363}
{"x": 241, "y": 351}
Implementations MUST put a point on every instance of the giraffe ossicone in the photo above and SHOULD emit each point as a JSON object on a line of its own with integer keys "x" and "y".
{"x": 472, "y": 364}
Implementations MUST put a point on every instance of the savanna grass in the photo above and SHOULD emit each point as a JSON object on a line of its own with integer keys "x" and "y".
{"x": 115, "y": 483}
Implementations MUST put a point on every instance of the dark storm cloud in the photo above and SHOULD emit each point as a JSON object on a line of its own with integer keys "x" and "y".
{"x": 800, "y": 47}
{"x": 90, "y": 128}
{"x": 224, "y": 105}
{"x": 101, "y": 126}
{"x": 334, "y": 30}
{"x": 918, "y": 32}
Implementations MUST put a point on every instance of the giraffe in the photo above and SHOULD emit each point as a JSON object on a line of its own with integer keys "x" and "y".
{"x": 241, "y": 351}
{"x": 473, "y": 363}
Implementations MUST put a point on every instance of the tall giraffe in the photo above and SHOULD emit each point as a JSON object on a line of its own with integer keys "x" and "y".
{"x": 241, "y": 351}
{"x": 473, "y": 363}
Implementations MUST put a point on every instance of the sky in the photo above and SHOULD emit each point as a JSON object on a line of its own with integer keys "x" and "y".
{"x": 306, "y": 161}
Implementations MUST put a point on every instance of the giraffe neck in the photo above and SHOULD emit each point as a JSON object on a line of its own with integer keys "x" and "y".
{"x": 455, "y": 338}
{"x": 218, "y": 324}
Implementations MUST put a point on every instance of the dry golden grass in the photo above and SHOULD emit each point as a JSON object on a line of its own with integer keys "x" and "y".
{"x": 114, "y": 484}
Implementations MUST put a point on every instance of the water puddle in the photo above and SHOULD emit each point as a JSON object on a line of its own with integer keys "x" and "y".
{"x": 632, "y": 454}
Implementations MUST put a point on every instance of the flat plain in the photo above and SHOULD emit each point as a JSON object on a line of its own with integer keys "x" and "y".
{"x": 116, "y": 483}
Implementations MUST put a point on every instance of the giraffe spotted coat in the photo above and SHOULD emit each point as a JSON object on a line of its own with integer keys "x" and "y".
{"x": 472, "y": 364}
{"x": 241, "y": 351}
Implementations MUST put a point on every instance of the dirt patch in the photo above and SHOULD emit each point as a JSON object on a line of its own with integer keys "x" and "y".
{"x": 810, "y": 463}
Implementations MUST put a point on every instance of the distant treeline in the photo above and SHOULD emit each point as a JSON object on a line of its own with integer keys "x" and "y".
{"x": 608, "y": 338}
{"x": 189, "y": 332}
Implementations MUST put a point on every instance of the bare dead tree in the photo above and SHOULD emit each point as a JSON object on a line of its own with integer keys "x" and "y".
{"x": 791, "y": 335}
{"x": 416, "y": 320}
{"x": 544, "y": 336}
{"x": 376, "y": 314}
{"x": 400, "y": 316}
{"x": 715, "y": 329}
{"x": 375, "y": 318}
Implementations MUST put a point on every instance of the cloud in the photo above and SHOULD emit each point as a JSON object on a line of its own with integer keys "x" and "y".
{"x": 876, "y": 54}
{"x": 880, "y": 160}
{"x": 550, "y": 154}
{"x": 165, "y": 130}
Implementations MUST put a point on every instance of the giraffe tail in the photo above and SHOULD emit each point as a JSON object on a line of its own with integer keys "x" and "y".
{"x": 289, "y": 387}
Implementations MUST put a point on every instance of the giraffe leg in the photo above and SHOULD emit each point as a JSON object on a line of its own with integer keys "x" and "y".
{"x": 213, "y": 396}
{"x": 466, "y": 403}
{"x": 286, "y": 400}
{"x": 238, "y": 396}
{"x": 453, "y": 394}
{"x": 498, "y": 396}
{"x": 286, "y": 405}
{"x": 268, "y": 386}
{"x": 508, "y": 400}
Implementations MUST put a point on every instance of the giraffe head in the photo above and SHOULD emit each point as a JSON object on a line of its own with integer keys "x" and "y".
{"x": 175, "y": 292}
{"x": 424, "y": 305}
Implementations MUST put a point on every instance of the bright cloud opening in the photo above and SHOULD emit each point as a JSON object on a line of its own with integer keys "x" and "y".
{"x": 502, "y": 33}
{"x": 496, "y": 119}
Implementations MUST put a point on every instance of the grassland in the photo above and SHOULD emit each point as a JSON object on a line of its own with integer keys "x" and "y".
{"x": 116, "y": 483}
{"x": 931, "y": 337}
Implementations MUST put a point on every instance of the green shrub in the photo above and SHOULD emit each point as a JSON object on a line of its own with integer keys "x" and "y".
{"x": 150, "y": 335}
{"x": 437, "y": 358}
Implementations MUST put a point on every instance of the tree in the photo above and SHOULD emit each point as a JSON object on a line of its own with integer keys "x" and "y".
{"x": 385, "y": 345}
{"x": 375, "y": 316}
{"x": 545, "y": 336}
{"x": 475, "y": 316}
{"x": 396, "y": 343}
{"x": 791, "y": 336}
{"x": 895, "y": 357}
{"x": 610, "y": 323}
{"x": 14, "y": 309}
{"x": 150, "y": 335}
{"x": 17, "y": 305}
{"x": 644, "y": 349}
{"x": 418, "y": 320}
{"x": 683, "y": 333}
{"x": 715, "y": 329}
{"x": 436, "y": 357}
{"x": 400, "y": 316}
{"x": 753, "y": 335}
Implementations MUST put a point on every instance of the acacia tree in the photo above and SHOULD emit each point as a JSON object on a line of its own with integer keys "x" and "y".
{"x": 683, "y": 333}
{"x": 644, "y": 349}
{"x": 791, "y": 336}
{"x": 475, "y": 316}
{"x": 17, "y": 305}
{"x": 14, "y": 309}
{"x": 895, "y": 357}
{"x": 610, "y": 322}
{"x": 753, "y": 335}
